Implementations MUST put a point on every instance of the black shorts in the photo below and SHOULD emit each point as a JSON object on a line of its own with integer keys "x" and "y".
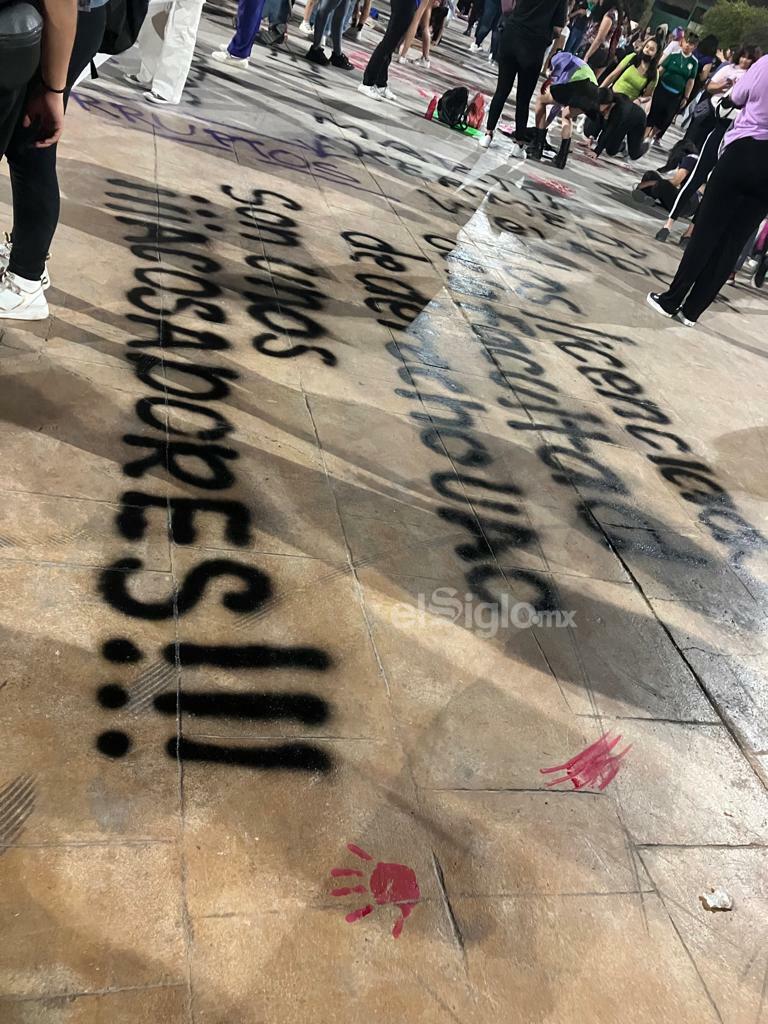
{"x": 582, "y": 94}
{"x": 664, "y": 106}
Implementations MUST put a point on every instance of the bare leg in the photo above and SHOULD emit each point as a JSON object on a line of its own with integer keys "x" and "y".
{"x": 566, "y": 130}
{"x": 426, "y": 35}
{"x": 543, "y": 100}
{"x": 413, "y": 28}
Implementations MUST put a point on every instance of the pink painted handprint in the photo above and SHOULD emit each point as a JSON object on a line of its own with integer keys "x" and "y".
{"x": 389, "y": 883}
{"x": 595, "y": 766}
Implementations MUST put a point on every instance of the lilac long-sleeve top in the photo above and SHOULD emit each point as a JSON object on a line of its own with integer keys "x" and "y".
{"x": 751, "y": 94}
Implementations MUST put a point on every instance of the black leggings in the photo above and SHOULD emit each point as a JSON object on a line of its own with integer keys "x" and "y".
{"x": 664, "y": 107}
{"x": 700, "y": 173}
{"x": 626, "y": 121}
{"x": 734, "y": 203}
{"x": 662, "y": 189}
{"x": 35, "y": 186}
{"x": 515, "y": 62}
{"x": 377, "y": 71}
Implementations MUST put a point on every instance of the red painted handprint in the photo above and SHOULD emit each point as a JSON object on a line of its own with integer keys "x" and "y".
{"x": 595, "y": 766}
{"x": 389, "y": 883}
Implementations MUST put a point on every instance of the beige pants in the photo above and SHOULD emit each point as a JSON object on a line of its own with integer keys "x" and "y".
{"x": 166, "y": 44}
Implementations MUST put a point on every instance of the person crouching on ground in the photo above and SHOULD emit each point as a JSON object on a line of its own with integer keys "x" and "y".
{"x": 578, "y": 93}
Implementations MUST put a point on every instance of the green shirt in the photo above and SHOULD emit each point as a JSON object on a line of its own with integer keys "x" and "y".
{"x": 631, "y": 82}
{"x": 677, "y": 70}
{"x": 583, "y": 74}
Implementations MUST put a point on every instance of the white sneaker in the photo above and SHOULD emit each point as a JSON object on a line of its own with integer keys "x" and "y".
{"x": 225, "y": 57}
{"x": 402, "y": 59}
{"x": 5, "y": 258}
{"x": 369, "y": 90}
{"x": 386, "y": 93}
{"x": 679, "y": 315}
{"x": 156, "y": 98}
{"x": 518, "y": 152}
{"x": 21, "y": 299}
{"x": 306, "y": 29}
{"x": 473, "y": 47}
{"x": 486, "y": 140}
{"x": 423, "y": 62}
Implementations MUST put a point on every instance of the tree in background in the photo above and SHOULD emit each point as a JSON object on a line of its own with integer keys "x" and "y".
{"x": 736, "y": 22}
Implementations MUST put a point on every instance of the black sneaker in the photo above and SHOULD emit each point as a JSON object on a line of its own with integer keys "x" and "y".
{"x": 662, "y": 234}
{"x": 341, "y": 60}
{"x": 684, "y": 240}
{"x": 654, "y": 301}
{"x": 317, "y": 55}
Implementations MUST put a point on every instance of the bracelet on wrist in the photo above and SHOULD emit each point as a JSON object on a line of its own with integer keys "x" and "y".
{"x": 49, "y": 88}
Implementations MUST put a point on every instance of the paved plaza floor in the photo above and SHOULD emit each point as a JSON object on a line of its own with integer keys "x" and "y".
{"x": 351, "y": 486}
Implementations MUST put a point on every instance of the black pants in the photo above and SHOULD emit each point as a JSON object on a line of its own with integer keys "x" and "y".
{"x": 626, "y": 121}
{"x": 699, "y": 129}
{"x": 700, "y": 173}
{"x": 664, "y": 107}
{"x": 516, "y": 61}
{"x": 377, "y": 70}
{"x": 35, "y": 186}
{"x": 663, "y": 190}
{"x": 11, "y": 103}
{"x": 436, "y": 22}
{"x": 734, "y": 203}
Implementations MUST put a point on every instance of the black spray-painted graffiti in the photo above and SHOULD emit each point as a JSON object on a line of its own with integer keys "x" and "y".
{"x": 177, "y": 280}
{"x": 282, "y": 299}
{"x": 448, "y": 421}
{"x": 508, "y": 341}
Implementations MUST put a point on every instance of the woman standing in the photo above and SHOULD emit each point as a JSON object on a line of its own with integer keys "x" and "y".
{"x": 637, "y": 75}
{"x": 421, "y": 19}
{"x": 31, "y": 156}
{"x": 602, "y": 35}
{"x": 720, "y": 118}
{"x": 525, "y": 35}
{"x": 376, "y": 75}
{"x": 735, "y": 201}
{"x": 678, "y": 77}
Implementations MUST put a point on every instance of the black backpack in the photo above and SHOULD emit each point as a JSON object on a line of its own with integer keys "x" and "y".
{"x": 124, "y": 21}
{"x": 452, "y": 107}
{"x": 21, "y": 31}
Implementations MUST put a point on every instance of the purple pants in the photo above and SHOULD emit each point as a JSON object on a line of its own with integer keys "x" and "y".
{"x": 249, "y": 15}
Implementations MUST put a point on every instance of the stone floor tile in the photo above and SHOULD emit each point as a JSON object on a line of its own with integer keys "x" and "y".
{"x": 74, "y": 925}
{"x": 662, "y": 792}
{"x": 167, "y": 1003}
{"x": 728, "y": 948}
{"x": 587, "y": 957}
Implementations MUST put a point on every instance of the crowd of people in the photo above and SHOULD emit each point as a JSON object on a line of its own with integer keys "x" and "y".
{"x": 622, "y": 85}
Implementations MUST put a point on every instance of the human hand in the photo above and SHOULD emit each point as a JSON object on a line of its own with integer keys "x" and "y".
{"x": 46, "y": 110}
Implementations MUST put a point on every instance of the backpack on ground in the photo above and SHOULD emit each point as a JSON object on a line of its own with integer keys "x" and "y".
{"x": 124, "y": 21}
{"x": 475, "y": 116}
{"x": 452, "y": 107}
